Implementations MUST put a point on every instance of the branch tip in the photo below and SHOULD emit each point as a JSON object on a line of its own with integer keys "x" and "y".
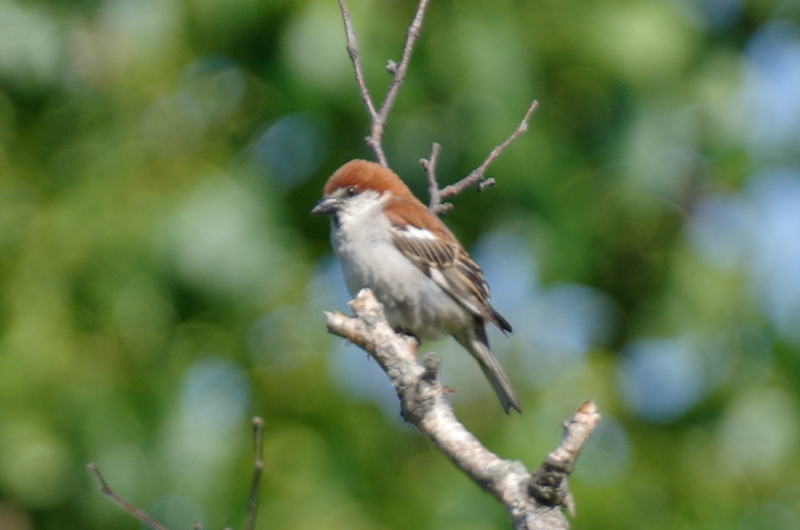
{"x": 549, "y": 483}
{"x": 364, "y": 301}
{"x": 92, "y": 467}
{"x": 485, "y": 184}
{"x": 444, "y": 208}
{"x": 139, "y": 514}
{"x": 589, "y": 407}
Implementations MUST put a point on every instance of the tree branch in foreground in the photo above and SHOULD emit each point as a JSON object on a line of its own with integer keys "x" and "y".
{"x": 252, "y": 505}
{"x": 533, "y": 500}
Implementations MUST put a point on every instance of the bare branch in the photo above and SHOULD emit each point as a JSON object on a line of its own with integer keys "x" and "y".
{"x": 352, "y": 51}
{"x": 477, "y": 176}
{"x": 125, "y": 505}
{"x": 378, "y": 118}
{"x": 423, "y": 402}
{"x": 400, "y": 70}
{"x": 252, "y": 505}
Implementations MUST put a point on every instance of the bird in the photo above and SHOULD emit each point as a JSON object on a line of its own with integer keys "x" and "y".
{"x": 389, "y": 241}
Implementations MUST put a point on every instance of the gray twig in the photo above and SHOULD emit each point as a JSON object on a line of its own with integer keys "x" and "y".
{"x": 258, "y": 470}
{"x": 398, "y": 70}
{"x": 125, "y": 505}
{"x": 429, "y": 165}
{"x": 478, "y": 175}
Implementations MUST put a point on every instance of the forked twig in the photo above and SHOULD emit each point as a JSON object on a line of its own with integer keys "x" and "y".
{"x": 125, "y": 505}
{"x": 379, "y": 117}
{"x": 477, "y": 176}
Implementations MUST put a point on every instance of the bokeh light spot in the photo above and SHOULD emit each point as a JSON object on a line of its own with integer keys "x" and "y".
{"x": 34, "y": 463}
{"x": 215, "y": 395}
{"x": 313, "y": 44}
{"x": 758, "y": 433}
{"x": 661, "y": 379}
{"x": 31, "y": 44}
{"x": 293, "y": 148}
{"x": 771, "y": 89}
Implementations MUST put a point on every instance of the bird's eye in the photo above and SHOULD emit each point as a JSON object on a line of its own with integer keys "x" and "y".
{"x": 351, "y": 191}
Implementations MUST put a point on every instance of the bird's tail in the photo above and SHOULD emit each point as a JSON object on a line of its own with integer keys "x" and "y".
{"x": 476, "y": 342}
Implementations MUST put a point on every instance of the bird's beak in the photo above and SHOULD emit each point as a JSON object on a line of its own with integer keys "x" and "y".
{"x": 327, "y": 206}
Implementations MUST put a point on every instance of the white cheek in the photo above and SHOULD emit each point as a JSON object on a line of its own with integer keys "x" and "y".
{"x": 366, "y": 204}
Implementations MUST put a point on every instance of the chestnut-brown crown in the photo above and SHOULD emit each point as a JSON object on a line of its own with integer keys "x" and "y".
{"x": 362, "y": 175}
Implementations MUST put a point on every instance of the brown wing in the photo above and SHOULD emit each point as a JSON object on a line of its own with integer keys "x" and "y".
{"x": 447, "y": 264}
{"x": 424, "y": 249}
{"x": 430, "y": 245}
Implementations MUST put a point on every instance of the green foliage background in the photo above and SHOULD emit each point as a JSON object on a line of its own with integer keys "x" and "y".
{"x": 161, "y": 279}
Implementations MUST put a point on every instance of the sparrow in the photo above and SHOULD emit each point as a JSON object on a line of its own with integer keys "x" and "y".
{"x": 389, "y": 241}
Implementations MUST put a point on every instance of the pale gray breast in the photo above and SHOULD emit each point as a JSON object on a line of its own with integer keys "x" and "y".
{"x": 412, "y": 301}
